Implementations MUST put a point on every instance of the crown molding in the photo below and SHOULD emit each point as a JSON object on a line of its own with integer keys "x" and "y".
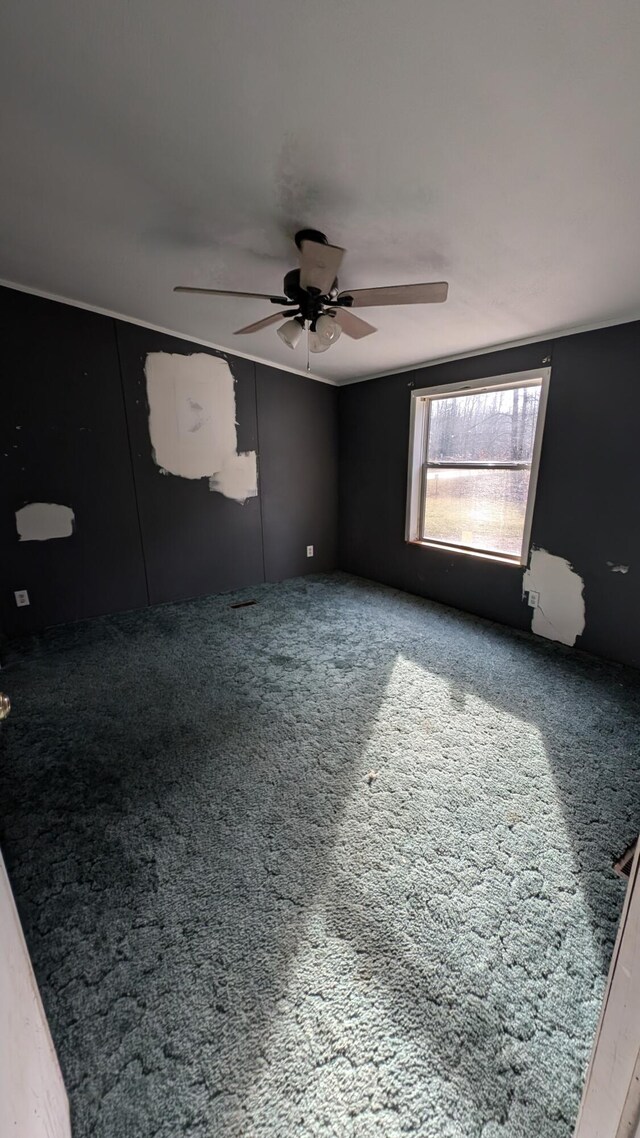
{"x": 159, "y": 328}
{"x": 554, "y": 334}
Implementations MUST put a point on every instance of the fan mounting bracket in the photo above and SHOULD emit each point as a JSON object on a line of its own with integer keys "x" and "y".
{"x": 310, "y": 235}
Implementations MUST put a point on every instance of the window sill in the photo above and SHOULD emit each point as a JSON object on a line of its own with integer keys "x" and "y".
{"x": 502, "y": 559}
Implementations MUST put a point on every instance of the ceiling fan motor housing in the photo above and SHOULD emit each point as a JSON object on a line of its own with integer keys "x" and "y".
{"x": 310, "y": 235}
{"x": 310, "y": 302}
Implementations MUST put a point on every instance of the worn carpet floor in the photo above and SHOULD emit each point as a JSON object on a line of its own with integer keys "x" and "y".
{"x": 338, "y": 863}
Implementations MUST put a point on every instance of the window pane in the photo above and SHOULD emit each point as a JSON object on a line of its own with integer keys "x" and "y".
{"x": 493, "y": 426}
{"x": 483, "y": 509}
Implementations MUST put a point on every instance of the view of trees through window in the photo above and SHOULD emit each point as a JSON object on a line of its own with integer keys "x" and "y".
{"x": 478, "y": 466}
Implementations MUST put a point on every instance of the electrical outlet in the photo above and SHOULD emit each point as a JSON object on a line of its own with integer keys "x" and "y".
{"x": 534, "y": 598}
{"x": 309, "y": 551}
{"x": 22, "y": 598}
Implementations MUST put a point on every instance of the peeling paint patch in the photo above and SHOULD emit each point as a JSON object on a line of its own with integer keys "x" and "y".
{"x": 618, "y": 568}
{"x": 192, "y": 422}
{"x": 560, "y": 614}
{"x": 43, "y": 521}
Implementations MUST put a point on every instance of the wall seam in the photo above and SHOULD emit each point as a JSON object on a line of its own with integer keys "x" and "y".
{"x": 259, "y": 469}
{"x": 133, "y": 474}
{"x": 342, "y": 559}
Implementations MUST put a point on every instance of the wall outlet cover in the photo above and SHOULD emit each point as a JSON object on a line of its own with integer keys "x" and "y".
{"x": 22, "y": 598}
{"x": 309, "y": 551}
{"x": 534, "y": 598}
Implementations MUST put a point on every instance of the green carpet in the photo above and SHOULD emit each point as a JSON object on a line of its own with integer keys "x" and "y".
{"x": 338, "y": 863}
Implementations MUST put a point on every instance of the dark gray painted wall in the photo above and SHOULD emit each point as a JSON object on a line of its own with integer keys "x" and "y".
{"x": 194, "y": 541}
{"x": 73, "y": 383}
{"x": 588, "y": 487}
{"x": 298, "y": 472}
{"x": 63, "y": 439}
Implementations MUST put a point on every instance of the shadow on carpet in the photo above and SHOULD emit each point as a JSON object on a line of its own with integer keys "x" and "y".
{"x": 338, "y": 863}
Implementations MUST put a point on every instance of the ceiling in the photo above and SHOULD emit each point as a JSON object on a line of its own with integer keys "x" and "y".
{"x": 491, "y": 143}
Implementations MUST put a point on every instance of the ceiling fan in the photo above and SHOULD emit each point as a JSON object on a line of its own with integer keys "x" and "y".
{"x": 313, "y": 298}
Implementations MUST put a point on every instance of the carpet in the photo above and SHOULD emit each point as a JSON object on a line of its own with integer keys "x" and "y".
{"x": 336, "y": 863}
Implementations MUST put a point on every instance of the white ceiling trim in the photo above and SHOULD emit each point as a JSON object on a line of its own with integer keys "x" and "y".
{"x": 166, "y": 331}
{"x": 554, "y": 334}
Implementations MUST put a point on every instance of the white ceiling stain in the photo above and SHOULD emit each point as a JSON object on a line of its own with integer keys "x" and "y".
{"x": 492, "y": 143}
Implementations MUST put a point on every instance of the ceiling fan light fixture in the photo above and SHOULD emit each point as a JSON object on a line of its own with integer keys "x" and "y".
{"x": 317, "y": 344}
{"x": 327, "y": 329}
{"x": 290, "y": 332}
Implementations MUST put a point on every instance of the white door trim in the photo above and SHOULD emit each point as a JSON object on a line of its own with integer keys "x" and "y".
{"x": 610, "y": 1106}
{"x": 33, "y": 1101}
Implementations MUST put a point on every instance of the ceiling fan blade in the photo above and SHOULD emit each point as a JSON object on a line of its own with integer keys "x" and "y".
{"x": 319, "y": 265}
{"x": 433, "y": 293}
{"x": 264, "y": 323}
{"x": 225, "y": 292}
{"x": 353, "y": 325}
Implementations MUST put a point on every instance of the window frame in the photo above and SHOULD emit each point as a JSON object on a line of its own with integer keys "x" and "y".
{"x": 421, "y": 400}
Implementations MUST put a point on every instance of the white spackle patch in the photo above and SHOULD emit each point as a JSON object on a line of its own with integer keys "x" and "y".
{"x": 238, "y": 478}
{"x": 192, "y": 422}
{"x": 560, "y": 614}
{"x": 42, "y": 521}
{"x": 618, "y": 568}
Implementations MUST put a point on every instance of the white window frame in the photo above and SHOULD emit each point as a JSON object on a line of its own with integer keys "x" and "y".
{"x": 421, "y": 401}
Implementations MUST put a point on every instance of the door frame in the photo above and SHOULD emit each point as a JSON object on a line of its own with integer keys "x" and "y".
{"x": 610, "y": 1106}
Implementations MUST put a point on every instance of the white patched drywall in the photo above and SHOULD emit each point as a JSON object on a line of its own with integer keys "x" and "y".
{"x": 560, "y": 614}
{"x": 192, "y": 422}
{"x": 42, "y": 521}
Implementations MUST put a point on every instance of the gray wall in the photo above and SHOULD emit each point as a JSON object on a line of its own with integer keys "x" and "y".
{"x": 299, "y": 498}
{"x": 63, "y": 438}
{"x": 194, "y": 541}
{"x": 588, "y": 488}
{"x": 74, "y": 430}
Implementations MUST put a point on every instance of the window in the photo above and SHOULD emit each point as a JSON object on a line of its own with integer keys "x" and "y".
{"x": 473, "y": 464}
